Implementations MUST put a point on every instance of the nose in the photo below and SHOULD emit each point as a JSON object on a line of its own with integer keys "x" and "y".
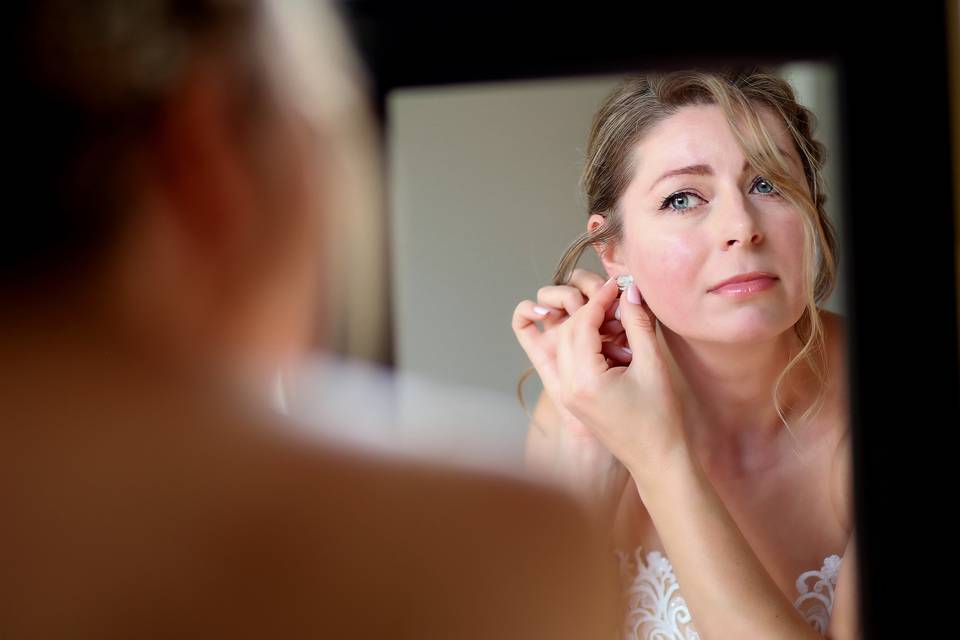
{"x": 739, "y": 224}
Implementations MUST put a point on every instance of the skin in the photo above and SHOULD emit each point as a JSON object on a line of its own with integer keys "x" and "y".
{"x": 146, "y": 485}
{"x": 724, "y": 353}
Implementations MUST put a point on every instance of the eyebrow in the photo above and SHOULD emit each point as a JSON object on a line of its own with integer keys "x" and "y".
{"x": 705, "y": 169}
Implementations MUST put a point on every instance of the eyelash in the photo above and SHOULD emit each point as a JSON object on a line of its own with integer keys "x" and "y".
{"x": 666, "y": 201}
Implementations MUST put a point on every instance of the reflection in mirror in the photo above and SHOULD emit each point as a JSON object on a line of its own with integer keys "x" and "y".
{"x": 704, "y": 421}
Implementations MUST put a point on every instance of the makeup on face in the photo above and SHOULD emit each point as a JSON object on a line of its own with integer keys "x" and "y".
{"x": 743, "y": 288}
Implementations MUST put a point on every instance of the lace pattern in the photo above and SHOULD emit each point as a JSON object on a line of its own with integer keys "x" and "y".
{"x": 657, "y": 611}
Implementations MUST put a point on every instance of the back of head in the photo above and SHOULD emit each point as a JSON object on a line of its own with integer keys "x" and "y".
{"x": 105, "y": 126}
{"x": 90, "y": 85}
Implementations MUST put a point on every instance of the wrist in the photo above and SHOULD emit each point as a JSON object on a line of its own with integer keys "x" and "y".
{"x": 649, "y": 470}
{"x": 591, "y": 473}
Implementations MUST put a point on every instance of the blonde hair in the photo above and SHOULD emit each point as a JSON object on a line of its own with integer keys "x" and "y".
{"x": 639, "y": 102}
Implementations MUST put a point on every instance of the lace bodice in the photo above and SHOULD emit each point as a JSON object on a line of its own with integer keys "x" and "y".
{"x": 657, "y": 611}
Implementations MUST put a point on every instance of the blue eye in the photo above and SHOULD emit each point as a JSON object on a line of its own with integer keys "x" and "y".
{"x": 762, "y": 181}
{"x": 679, "y": 201}
{"x": 675, "y": 201}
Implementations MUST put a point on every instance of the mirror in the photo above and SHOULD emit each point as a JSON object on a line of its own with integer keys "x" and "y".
{"x": 485, "y": 199}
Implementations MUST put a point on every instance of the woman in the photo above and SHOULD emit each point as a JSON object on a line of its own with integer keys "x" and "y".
{"x": 176, "y": 171}
{"x": 731, "y": 419}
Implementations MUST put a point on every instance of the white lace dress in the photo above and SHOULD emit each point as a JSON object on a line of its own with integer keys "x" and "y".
{"x": 657, "y": 611}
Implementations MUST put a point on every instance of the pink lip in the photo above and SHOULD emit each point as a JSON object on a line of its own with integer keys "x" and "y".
{"x": 746, "y": 276}
{"x": 747, "y": 287}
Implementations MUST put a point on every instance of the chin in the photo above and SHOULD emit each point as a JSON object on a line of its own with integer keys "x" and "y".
{"x": 756, "y": 332}
{"x": 751, "y": 326}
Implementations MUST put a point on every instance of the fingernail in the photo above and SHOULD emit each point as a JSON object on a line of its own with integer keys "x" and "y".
{"x": 633, "y": 294}
{"x": 541, "y": 311}
{"x": 616, "y": 314}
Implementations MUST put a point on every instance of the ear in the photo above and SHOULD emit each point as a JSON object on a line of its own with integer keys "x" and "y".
{"x": 610, "y": 254}
{"x": 200, "y": 168}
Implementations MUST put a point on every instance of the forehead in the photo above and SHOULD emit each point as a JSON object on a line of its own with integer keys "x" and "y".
{"x": 700, "y": 133}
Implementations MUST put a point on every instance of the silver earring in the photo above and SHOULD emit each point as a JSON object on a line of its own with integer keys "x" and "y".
{"x": 624, "y": 281}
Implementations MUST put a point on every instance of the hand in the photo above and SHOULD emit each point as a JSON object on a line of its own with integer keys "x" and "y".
{"x": 579, "y": 460}
{"x": 555, "y": 304}
{"x": 633, "y": 410}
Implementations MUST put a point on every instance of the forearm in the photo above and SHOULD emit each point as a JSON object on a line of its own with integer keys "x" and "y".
{"x": 728, "y": 591}
{"x": 593, "y": 475}
{"x": 581, "y": 465}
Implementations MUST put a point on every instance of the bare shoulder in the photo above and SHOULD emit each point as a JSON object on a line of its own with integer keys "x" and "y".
{"x": 382, "y": 540}
{"x": 833, "y": 316}
{"x": 841, "y": 467}
{"x": 841, "y": 481}
{"x": 188, "y": 518}
{"x": 835, "y": 383}
{"x": 835, "y": 328}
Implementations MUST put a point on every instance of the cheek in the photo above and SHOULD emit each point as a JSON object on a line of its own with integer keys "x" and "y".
{"x": 667, "y": 270}
{"x": 787, "y": 240}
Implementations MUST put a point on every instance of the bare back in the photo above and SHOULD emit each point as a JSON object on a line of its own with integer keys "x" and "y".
{"x": 134, "y": 508}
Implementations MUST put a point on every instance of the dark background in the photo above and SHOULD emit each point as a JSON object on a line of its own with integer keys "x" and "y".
{"x": 899, "y": 228}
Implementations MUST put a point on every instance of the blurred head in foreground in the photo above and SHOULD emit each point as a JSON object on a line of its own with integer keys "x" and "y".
{"x": 178, "y": 171}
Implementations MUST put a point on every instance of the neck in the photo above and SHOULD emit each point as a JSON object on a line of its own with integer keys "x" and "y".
{"x": 726, "y": 391}
{"x": 92, "y": 331}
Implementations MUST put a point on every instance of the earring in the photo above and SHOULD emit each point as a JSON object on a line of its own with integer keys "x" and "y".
{"x": 624, "y": 281}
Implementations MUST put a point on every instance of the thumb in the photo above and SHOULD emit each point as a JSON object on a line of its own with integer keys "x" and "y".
{"x": 638, "y": 321}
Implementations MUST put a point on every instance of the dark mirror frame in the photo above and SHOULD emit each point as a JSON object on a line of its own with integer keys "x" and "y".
{"x": 899, "y": 229}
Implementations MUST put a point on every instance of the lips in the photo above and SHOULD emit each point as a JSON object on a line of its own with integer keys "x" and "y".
{"x": 751, "y": 276}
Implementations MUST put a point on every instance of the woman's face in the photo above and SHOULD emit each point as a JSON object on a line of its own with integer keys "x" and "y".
{"x": 685, "y": 232}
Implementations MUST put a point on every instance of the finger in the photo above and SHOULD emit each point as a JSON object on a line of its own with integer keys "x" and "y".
{"x": 617, "y": 338}
{"x": 586, "y": 281}
{"x": 586, "y": 329}
{"x": 590, "y": 283}
{"x": 549, "y": 316}
{"x": 577, "y": 368}
{"x": 561, "y": 296}
{"x": 611, "y": 328}
{"x": 539, "y": 347}
{"x": 618, "y": 353}
{"x": 612, "y": 312}
{"x": 621, "y": 340}
{"x": 581, "y": 344}
{"x": 638, "y": 320}
{"x": 528, "y": 334}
